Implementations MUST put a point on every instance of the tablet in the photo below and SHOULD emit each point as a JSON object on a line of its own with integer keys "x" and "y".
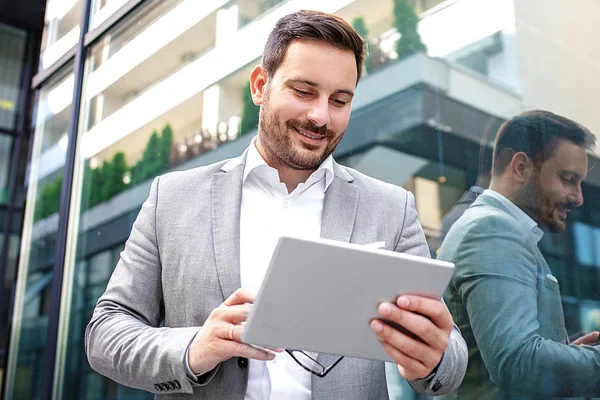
{"x": 320, "y": 295}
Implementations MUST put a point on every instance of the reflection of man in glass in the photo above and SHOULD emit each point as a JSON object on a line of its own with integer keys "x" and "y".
{"x": 170, "y": 319}
{"x": 504, "y": 297}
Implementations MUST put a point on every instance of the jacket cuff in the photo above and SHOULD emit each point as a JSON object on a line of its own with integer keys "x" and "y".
{"x": 201, "y": 379}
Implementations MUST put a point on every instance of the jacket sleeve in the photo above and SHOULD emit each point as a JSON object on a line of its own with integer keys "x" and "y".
{"x": 452, "y": 368}
{"x": 124, "y": 339}
{"x": 496, "y": 279}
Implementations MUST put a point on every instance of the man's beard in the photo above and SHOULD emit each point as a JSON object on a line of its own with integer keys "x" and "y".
{"x": 541, "y": 208}
{"x": 277, "y": 140}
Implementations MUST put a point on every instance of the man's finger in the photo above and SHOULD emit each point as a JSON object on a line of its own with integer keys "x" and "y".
{"x": 589, "y": 339}
{"x": 245, "y": 350}
{"x": 433, "y": 309}
{"x": 417, "y": 324}
{"x": 240, "y": 296}
{"x": 412, "y": 348}
{"x": 235, "y": 314}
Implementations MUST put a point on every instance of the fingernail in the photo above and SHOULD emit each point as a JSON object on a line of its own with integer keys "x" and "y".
{"x": 403, "y": 302}
{"x": 385, "y": 309}
{"x": 376, "y": 326}
{"x": 271, "y": 356}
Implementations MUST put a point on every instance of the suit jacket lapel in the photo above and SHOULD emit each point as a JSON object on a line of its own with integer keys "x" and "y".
{"x": 226, "y": 198}
{"x": 339, "y": 213}
{"x": 339, "y": 206}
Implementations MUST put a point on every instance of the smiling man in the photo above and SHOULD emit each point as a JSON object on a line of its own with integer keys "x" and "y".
{"x": 504, "y": 297}
{"x": 172, "y": 315}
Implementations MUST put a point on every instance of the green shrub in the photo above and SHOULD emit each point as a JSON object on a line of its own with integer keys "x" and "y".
{"x": 250, "y": 112}
{"x": 406, "y": 22}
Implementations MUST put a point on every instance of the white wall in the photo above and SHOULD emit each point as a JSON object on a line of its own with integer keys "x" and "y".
{"x": 559, "y": 57}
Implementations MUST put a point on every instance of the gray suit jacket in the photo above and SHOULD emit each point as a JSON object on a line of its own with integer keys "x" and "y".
{"x": 508, "y": 307}
{"x": 182, "y": 261}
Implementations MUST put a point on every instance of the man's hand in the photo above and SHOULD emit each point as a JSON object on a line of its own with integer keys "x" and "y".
{"x": 213, "y": 344}
{"x": 590, "y": 339}
{"x": 426, "y": 318}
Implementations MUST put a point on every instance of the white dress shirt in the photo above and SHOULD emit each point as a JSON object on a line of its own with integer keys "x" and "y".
{"x": 268, "y": 212}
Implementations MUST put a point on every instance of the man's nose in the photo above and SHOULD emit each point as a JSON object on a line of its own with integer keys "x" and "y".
{"x": 576, "y": 197}
{"x": 319, "y": 113}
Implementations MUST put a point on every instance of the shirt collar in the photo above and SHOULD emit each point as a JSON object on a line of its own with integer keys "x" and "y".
{"x": 518, "y": 214}
{"x": 254, "y": 160}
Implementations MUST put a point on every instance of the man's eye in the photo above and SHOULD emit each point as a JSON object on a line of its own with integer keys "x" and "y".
{"x": 340, "y": 102}
{"x": 301, "y": 92}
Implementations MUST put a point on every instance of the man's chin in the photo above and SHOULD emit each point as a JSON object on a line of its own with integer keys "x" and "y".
{"x": 557, "y": 226}
{"x": 304, "y": 163}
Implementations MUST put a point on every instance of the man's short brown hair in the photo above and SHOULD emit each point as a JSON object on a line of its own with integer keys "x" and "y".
{"x": 306, "y": 24}
{"x": 536, "y": 133}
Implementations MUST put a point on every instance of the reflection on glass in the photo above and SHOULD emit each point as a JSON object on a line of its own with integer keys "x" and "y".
{"x": 61, "y": 31}
{"x": 33, "y": 302}
{"x": 5, "y": 153}
{"x": 102, "y": 9}
{"x": 12, "y": 43}
{"x": 158, "y": 95}
{"x": 478, "y": 35}
{"x": 139, "y": 119}
{"x": 250, "y": 10}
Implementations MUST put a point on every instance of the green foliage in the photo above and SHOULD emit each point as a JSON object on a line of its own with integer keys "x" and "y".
{"x": 114, "y": 174}
{"x": 249, "y": 112}
{"x": 406, "y": 21}
{"x": 48, "y": 201}
{"x": 151, "y": 158}
{"x": 166, "y": 142}
{"x": 360, "y": 27}
{"x": 105, "y": 182}
{"x": 93, "y": 182}
{"x": 156, "y": 156}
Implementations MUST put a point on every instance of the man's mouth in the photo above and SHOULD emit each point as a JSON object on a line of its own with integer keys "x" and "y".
{"x": 563, "y": 211}
{"x": 310, "y": 135}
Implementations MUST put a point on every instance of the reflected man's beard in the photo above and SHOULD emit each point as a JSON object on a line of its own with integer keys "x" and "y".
{"x": 541, "y": 208}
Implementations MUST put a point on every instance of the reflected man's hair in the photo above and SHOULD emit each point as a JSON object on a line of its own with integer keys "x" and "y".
{"x": 536, "y": 133}
{"x": 315, "y": 25}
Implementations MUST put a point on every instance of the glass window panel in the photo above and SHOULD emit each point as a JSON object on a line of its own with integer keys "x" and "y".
{"x": 572, "y": 322}
{"x": 595, "y": 245}
{"x": 46, "y": 169}
{"x": 61, "y": 30}
{"x": 12, "y": 43}
{"x": 552, "y": 243}
{"x": 6, "y": 145}
{"x": 166, "y": 90}
{"x": 590, "y": 316}
{"x": 584, "y": 239}
{"x": 102, "y": 10}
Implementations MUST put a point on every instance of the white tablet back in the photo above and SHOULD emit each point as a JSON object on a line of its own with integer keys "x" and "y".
{"x": 319, "y": 295}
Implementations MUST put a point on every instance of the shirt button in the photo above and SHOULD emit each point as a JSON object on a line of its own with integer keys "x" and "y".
{"x": 242, "y": 362}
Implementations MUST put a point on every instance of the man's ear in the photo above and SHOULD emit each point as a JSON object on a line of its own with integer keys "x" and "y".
{"x": 521, "y": 167}
{"x": 258, "y": 83}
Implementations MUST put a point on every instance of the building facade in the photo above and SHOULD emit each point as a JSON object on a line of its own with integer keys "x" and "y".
{"x": 130, "y": 89}
{"x": 20, "y": 33}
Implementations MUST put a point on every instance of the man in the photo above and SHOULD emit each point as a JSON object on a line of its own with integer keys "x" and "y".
{"x": 504, "y": 297}
{"x": 172, "y": 315}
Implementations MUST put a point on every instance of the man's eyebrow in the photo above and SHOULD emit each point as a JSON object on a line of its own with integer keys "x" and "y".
{"x": 317, "y": 86}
